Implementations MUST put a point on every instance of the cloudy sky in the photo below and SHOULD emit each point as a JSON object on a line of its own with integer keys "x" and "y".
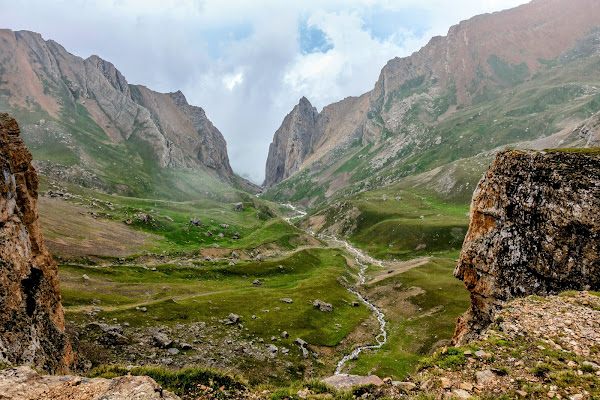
{"x": 246, "y": 62}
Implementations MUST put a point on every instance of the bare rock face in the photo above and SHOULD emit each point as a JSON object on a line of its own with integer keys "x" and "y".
{"x": 31, "y": 315}
{"x": 292, "y": 142}
{"x": 23, "y": 383}
{"x": 534, "y": 229}
{"x": 211, "y": 149}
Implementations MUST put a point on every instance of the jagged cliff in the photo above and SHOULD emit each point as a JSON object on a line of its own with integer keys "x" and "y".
{"x": 307, "y": 135}
{"x": 493, "y": 80}
{"x": 292, "y": 142}
{"x": 81, "y": 118}
{"x": 534, "y": 229}
{"x": 31, "y": 315}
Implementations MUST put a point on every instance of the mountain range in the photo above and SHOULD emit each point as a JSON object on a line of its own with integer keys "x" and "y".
{"x": 86, "y": 124}
{"x": 495, "y": 80}
{"x": 524, "y": 77}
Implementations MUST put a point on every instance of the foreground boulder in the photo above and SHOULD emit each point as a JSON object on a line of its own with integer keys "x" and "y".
{"x": 23, "y": 383}
{"x": 534, "y": 229}
{"x": 31, "y": 316}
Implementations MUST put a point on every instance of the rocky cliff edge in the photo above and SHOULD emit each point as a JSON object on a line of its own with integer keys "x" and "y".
{"x": 534, "y": 229}
{"x": 31, "y": 315}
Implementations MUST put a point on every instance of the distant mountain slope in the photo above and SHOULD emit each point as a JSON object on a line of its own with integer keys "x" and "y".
{"x": 511, "y": 76}
{"x": 86, "y": 124}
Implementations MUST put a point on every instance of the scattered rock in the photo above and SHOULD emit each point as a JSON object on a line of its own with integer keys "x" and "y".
{"x": 173, "y": 351}
{"x": 161, "y": 340}
{"x": 483, "y": 354}
{"x": 286, "y": 300}
{"x": 445, "y": 383}
{"x": 232, "y": 319}
{"x": 405, "y": 386}
{"x": 238, "y": 207}
{"x": 224, "y": 226}
{"x": 196, "y": 222}
{"x": 256, "y": 282}
{"x": 485, "y": 378}
{"x": 284, "y": 334}
{"x": 322, "y": 306}
{"x": 143, "y": 217}
{"x": 342, "y": 382}
{"x": 461, "y": 394}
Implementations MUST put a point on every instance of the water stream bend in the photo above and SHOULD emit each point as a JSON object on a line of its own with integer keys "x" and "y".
{"x": 362, "y": 260}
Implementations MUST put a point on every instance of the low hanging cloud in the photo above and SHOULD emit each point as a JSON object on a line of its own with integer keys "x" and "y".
{"x": 246, "y": 63}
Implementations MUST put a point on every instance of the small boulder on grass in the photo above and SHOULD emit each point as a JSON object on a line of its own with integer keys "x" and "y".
{"x": 322, "y": 306}
{"x": 196, "y": 222}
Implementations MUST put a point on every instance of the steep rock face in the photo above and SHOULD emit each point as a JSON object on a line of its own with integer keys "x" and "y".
{"x": 292, "y": 142}
{"x": 31, "y": 315}
{"x": 212, "y": 148}
{"x": 40, "y": 80}
{"x": 306, "y": 136}
{"x": 534, "y": 229}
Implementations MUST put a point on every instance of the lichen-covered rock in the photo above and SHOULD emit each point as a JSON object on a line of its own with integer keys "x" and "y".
{"x": 534, "y": 229}
{"x": 31, "y": 315}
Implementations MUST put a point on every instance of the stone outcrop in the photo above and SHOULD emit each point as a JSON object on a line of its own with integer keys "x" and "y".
{"x": 23, "y": 383}
{"x": 31, "y": 315}
{"x": 534, "y": 229}
{"x": 39, "y": 77}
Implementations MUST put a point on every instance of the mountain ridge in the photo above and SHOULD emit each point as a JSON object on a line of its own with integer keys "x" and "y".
{"x": 417, "y": 98}
{"x": 88, "y": 104}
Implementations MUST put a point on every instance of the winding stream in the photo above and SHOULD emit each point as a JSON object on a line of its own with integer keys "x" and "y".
{"x": 362, "y": 260}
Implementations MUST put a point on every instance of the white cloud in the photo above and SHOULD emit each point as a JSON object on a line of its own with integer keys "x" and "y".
{"x": 240, "y": 60}
{"x": 231, "y": 81}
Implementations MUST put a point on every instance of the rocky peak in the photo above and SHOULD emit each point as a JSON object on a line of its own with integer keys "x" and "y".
{"x": 179, "y": 98}
{"x": 534, "y": 229}
{"x": 38, "y": 75}
{"x": 31, "y": 315}
{"x": 111, "y": 73}
{"x": 292, "y": 143}
{"x": 211, "y": 149}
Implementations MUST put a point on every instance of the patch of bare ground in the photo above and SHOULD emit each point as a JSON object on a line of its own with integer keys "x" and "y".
{"x": 69, "y": 230}
{"x": 396, "y": 268}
